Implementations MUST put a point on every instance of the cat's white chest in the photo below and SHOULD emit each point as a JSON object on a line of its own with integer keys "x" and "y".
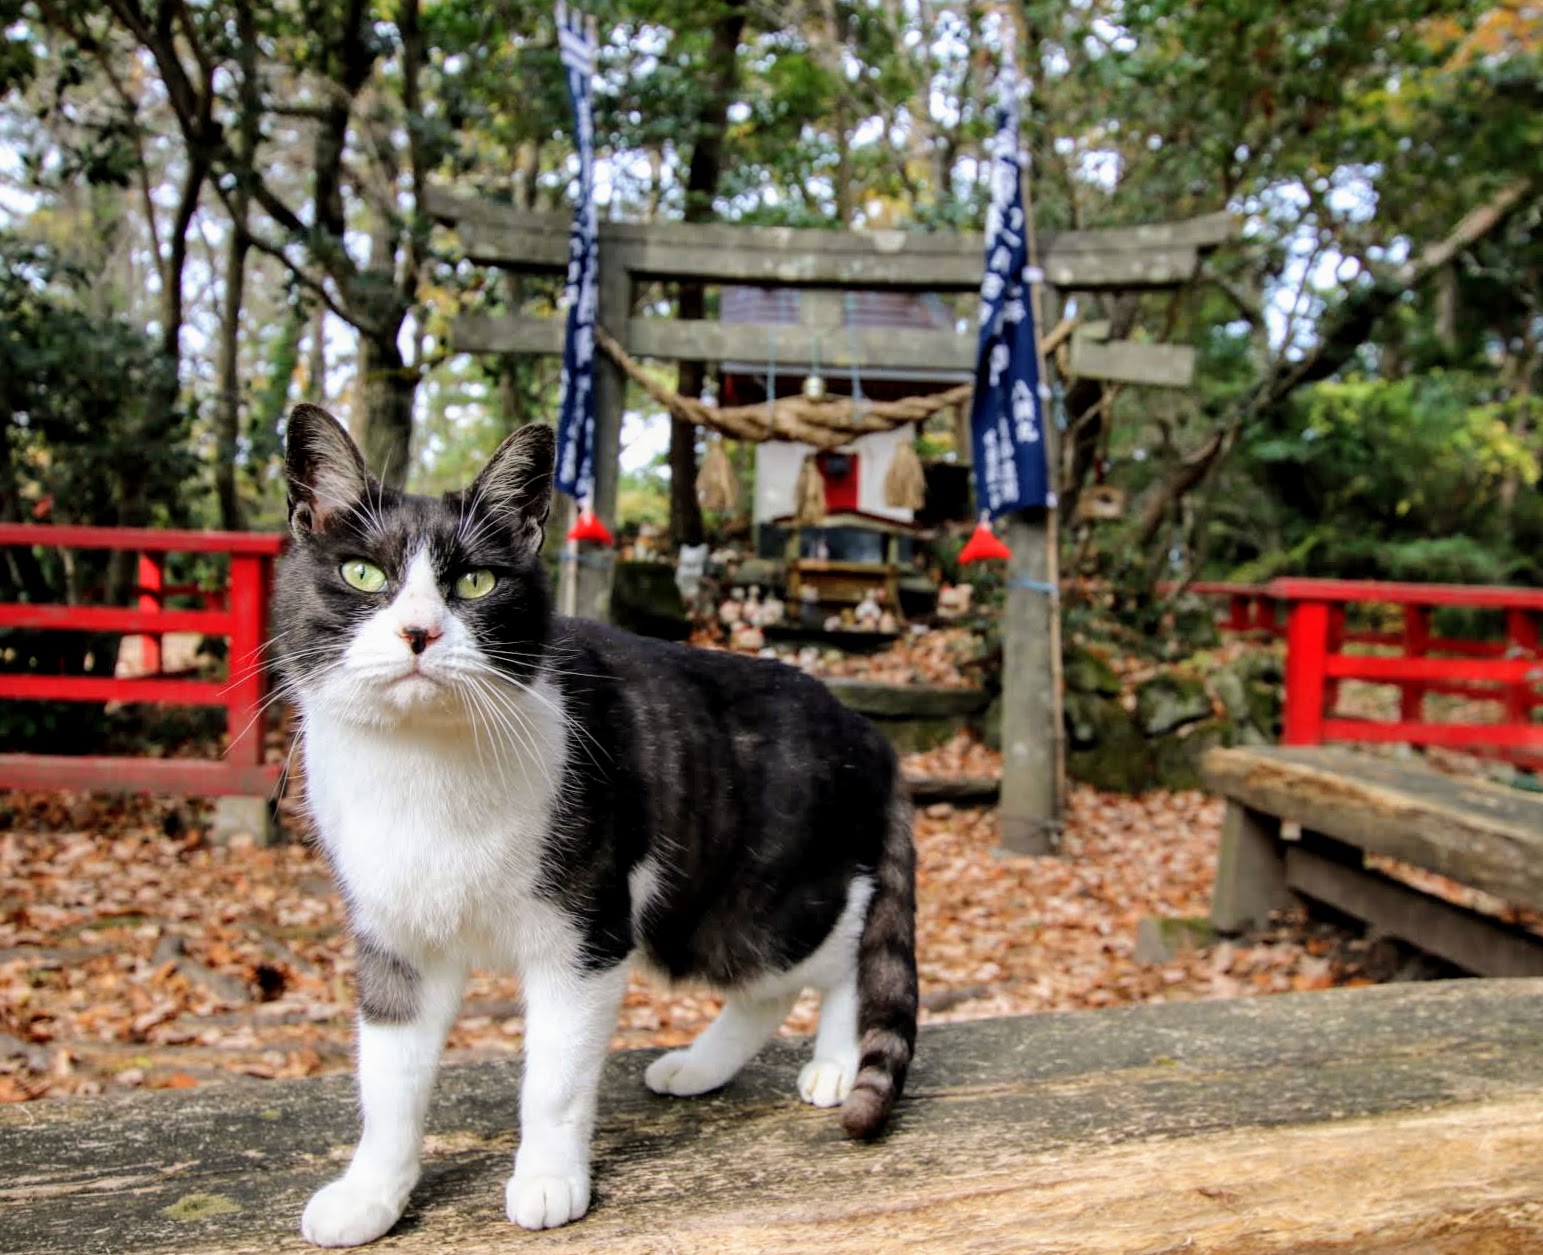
{"x": 437, "y": 840}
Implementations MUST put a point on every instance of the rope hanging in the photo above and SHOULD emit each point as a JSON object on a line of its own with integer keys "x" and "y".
{"x": 905, "y": 484}
{"x": 827, "y": 423}
{"x": 809, "y": 494}
{"x": 715, "y": 486}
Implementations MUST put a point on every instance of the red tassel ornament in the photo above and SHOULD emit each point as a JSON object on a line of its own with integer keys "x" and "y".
{"x": 983, "y": 545}
{"x": 589, "y": 527}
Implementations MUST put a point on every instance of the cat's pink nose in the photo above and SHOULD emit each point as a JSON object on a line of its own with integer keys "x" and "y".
{"x": 420, "y": 638}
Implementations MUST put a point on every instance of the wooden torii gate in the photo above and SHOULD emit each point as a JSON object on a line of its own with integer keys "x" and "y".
{"x": 1159, "y": 256}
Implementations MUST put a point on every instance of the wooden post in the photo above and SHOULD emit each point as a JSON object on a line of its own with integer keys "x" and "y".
{"x": 1307, "y": 644}
{"x": 1250, "y": 871}
{"x": 584, "y": 586}
{"x": 1032, "y": 726}
{"x": 1411, "y": 706}
{"x": 152, "y": 583}
{"x": 250, "y": 577}
{"x": 1522, "y": 637}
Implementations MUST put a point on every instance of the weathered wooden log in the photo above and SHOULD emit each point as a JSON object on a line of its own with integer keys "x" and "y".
{"x": 1479, "y": 834}
{"x": 1396, "y": 1119}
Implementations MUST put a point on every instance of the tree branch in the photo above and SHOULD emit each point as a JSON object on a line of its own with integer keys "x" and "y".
{"x": 1347, "y": 329}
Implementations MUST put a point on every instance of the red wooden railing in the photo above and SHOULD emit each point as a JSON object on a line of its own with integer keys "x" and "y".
{"x": 1507, "y": 672}
{"x": 1250, "y": 607}
{"x": 240, "y": 613}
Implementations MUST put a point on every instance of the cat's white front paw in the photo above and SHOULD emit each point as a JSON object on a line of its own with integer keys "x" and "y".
{"x": 546, "y": 1200}
{"x": 683, "y": 1073}
{"x": 352, "y": 1212}
{"x": 826, "y": 1082}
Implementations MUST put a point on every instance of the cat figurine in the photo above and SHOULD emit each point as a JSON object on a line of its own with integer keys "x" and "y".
{"x": 495, "y": 786}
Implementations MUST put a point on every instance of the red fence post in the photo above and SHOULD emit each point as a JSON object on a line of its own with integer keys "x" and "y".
{"x": 152, "y": 582}
{"x": 243, "y": 703}
{"x": 1411, "y": 703}
{"x": 1307, "y": 648}
{"x": 1237, "y": 612}
{"x": 1334, "y": 643}
{"x": 1521, "y": 631}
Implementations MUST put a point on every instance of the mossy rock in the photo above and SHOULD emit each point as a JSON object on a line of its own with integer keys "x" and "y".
{"x": 915, "y": 736}
{"x": 1083, "y": 671}
{"x": 1231, "y": 690}
{"x": 644, "y": 599}
{"x": 1171, "y": 700}
{"x": 1117, "y": 757}
{"x": 1264, "y": 708}
{"x": 1176, "y": 757}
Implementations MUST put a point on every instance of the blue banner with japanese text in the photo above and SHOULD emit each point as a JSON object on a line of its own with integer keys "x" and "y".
{"x": 576, "y": 386}
{"x": 1008, "y": 407}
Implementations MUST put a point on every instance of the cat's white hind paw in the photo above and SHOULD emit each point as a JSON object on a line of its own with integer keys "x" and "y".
{"x": 683, "y": 1073}
{"x": 351, "y": 1213}
{"x": 826, "y": 1082}
{"x": 546, "y": 1201}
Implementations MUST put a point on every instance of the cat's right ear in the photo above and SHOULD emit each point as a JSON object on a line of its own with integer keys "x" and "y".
{"x": 325, "y": 469}
{"x": 517, "y": 481}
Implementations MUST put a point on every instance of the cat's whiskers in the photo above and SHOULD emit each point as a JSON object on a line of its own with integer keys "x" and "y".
{"x": 536, "y": 661}
{"x": 529, "y": 690}
{"x": 521, "y": 738}
{"x": 231, "y": 681}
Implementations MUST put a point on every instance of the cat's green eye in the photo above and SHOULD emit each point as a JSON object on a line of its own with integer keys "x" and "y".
{"x": 365, "y": 576}
{"x": 474, "y": 584}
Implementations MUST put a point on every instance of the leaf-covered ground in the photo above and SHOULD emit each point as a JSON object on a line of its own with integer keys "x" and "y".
{"x": 134, "y": 953}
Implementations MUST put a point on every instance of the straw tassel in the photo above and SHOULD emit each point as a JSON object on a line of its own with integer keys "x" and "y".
{"x": 715, "y": 486}
{"x": 905, "y": 484}
{"x": 809, "y": 495}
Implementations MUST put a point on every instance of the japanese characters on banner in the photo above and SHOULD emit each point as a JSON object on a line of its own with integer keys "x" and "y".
{"x": 1008, "y": 409}
{"x": 576, "y": 386}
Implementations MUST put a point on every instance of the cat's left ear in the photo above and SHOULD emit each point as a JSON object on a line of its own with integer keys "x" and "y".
{"x": 517, "y": 481}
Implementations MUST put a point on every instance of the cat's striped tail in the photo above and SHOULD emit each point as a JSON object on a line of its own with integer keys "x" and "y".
{"x": 886, "y": 980}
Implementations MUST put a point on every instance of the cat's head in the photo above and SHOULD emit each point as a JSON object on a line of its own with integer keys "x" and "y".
{"x": 391, "y": 606}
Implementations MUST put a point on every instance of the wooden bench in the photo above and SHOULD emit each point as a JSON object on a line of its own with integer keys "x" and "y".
{"x": 1349, "y": 806}
{"x": 1393, "y": 1119}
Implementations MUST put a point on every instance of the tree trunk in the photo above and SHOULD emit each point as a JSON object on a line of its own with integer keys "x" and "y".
{"x": 389, "y": 389}
{"x": 227, "y": 419}
{"x": 702, "y": 178}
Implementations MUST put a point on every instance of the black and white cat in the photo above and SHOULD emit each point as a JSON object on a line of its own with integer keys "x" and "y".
{"x": 498, "y": 787}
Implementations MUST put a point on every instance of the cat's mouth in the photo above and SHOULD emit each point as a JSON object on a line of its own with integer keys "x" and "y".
{"x": 415, "y": 684}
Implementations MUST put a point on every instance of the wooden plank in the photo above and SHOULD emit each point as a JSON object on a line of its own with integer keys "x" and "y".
{"x": 1357, "y": 1120}
{"x": 507, "y": 333}
{"x": 1389, "y": 670}
{"x": 959, "y": 790}
{"x": 1131, "y": 361}
{"x": 1205, "y": 231}
{"x": 1389, "y": 592}
{"x": 1250, "y": 871}
{"x": 1475, "y": 942}
{"x": 897, "y": 348}
{"x": 113, "y": 619}
{"x": 143, "y": 539}
{"x": 90, "y": 688}
{"x": 1460, "y": 735}
{"x": 1160, "y": 255}
{"x": 1482, "y": 835}
{"x": 173, "y": 777}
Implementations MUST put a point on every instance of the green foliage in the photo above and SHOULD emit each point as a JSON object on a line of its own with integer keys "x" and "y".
{"x": 74, "y": 447}
{"x": 1414, "y": 478}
